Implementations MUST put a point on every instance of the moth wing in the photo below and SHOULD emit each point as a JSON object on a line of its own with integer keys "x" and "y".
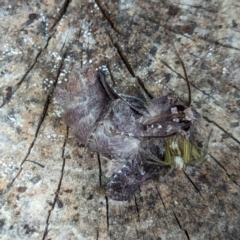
{"x": 114, "y": 166}
{"x": 109, "y": 90}
{"x": 135, "y": 103}
{"x": 125, "y": 182}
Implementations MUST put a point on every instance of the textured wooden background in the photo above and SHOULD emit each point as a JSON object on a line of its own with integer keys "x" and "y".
{"x": 134, "y": 42}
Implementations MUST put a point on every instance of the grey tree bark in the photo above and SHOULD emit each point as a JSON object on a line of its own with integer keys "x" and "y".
{"x": 49, "y": 185}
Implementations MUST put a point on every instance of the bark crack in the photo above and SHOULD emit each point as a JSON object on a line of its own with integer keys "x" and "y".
{"x": 137, "y": 208}
{"x": 225, "y": 131}
{"x": 129, "y": 67}
{"x": 11, "y": 183}
{"x": 97, "y": 234}
{"x": 62, "y": 11}
{"x": 196, "y": 188}
{"x": 107, "y": 212}
{"x": 178, "y": 222}
{"x": 187, "y": 235}
{"x": 56, "y": 198}
{"x": 17, "y": 86}
{"x": 209, "y": 95}
{"x": 100, "y": 169}
{"x": 169, "y": 28}
{"x": 137, "y": 233}
{"x": 43, "y": 115}
{"x": 165, "y": 64}
{"x": 217, "y": 43}
{"x": 179, "y": 75}
{"x": 166, "y": 27}
{"x": 45, "y": 108}
{"x": 160, "y": 196}
{"x": 212, "y": 10}
{"x": 229, "y": 175}
{"x": 107, "y": 16}
{"x": 233, "y": 86}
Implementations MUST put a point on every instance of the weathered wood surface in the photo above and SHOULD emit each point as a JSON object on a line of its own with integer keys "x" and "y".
{"x": 41, "y": 41}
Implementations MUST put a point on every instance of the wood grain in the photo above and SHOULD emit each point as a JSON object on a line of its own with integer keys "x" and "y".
{"x": 135, "y": 42}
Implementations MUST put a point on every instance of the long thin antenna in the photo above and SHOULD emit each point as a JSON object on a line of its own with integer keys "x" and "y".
{"x": 186, "y": 77}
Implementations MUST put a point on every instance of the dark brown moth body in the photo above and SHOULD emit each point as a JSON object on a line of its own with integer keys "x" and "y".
{"x": 133, "y": 133}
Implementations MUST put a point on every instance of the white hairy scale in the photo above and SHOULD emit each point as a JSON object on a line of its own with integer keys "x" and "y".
{"x": 179, "y": 163}
{"x": 174, "y": 145}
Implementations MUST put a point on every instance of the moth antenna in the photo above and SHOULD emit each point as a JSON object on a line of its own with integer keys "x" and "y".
{"x": 163, "y": 117}
{"x": 186, "y": 77}
{"x": 163, "y": 136}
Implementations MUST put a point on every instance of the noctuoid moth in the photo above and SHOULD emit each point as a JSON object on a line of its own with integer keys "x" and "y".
{"x": 139, "y": 137}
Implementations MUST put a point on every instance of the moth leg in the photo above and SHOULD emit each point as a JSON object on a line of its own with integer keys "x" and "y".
{"x": 203, "y": 154}
{"x": 169, "y": 172}
{"x": 151, "y": 159}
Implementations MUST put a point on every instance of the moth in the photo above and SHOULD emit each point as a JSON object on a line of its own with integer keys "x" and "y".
{"x": 139, "y": 137}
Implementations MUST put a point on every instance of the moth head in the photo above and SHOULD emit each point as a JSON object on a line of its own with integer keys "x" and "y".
{"x": 167, "y": 109}
{"x": 191, "y": 115}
